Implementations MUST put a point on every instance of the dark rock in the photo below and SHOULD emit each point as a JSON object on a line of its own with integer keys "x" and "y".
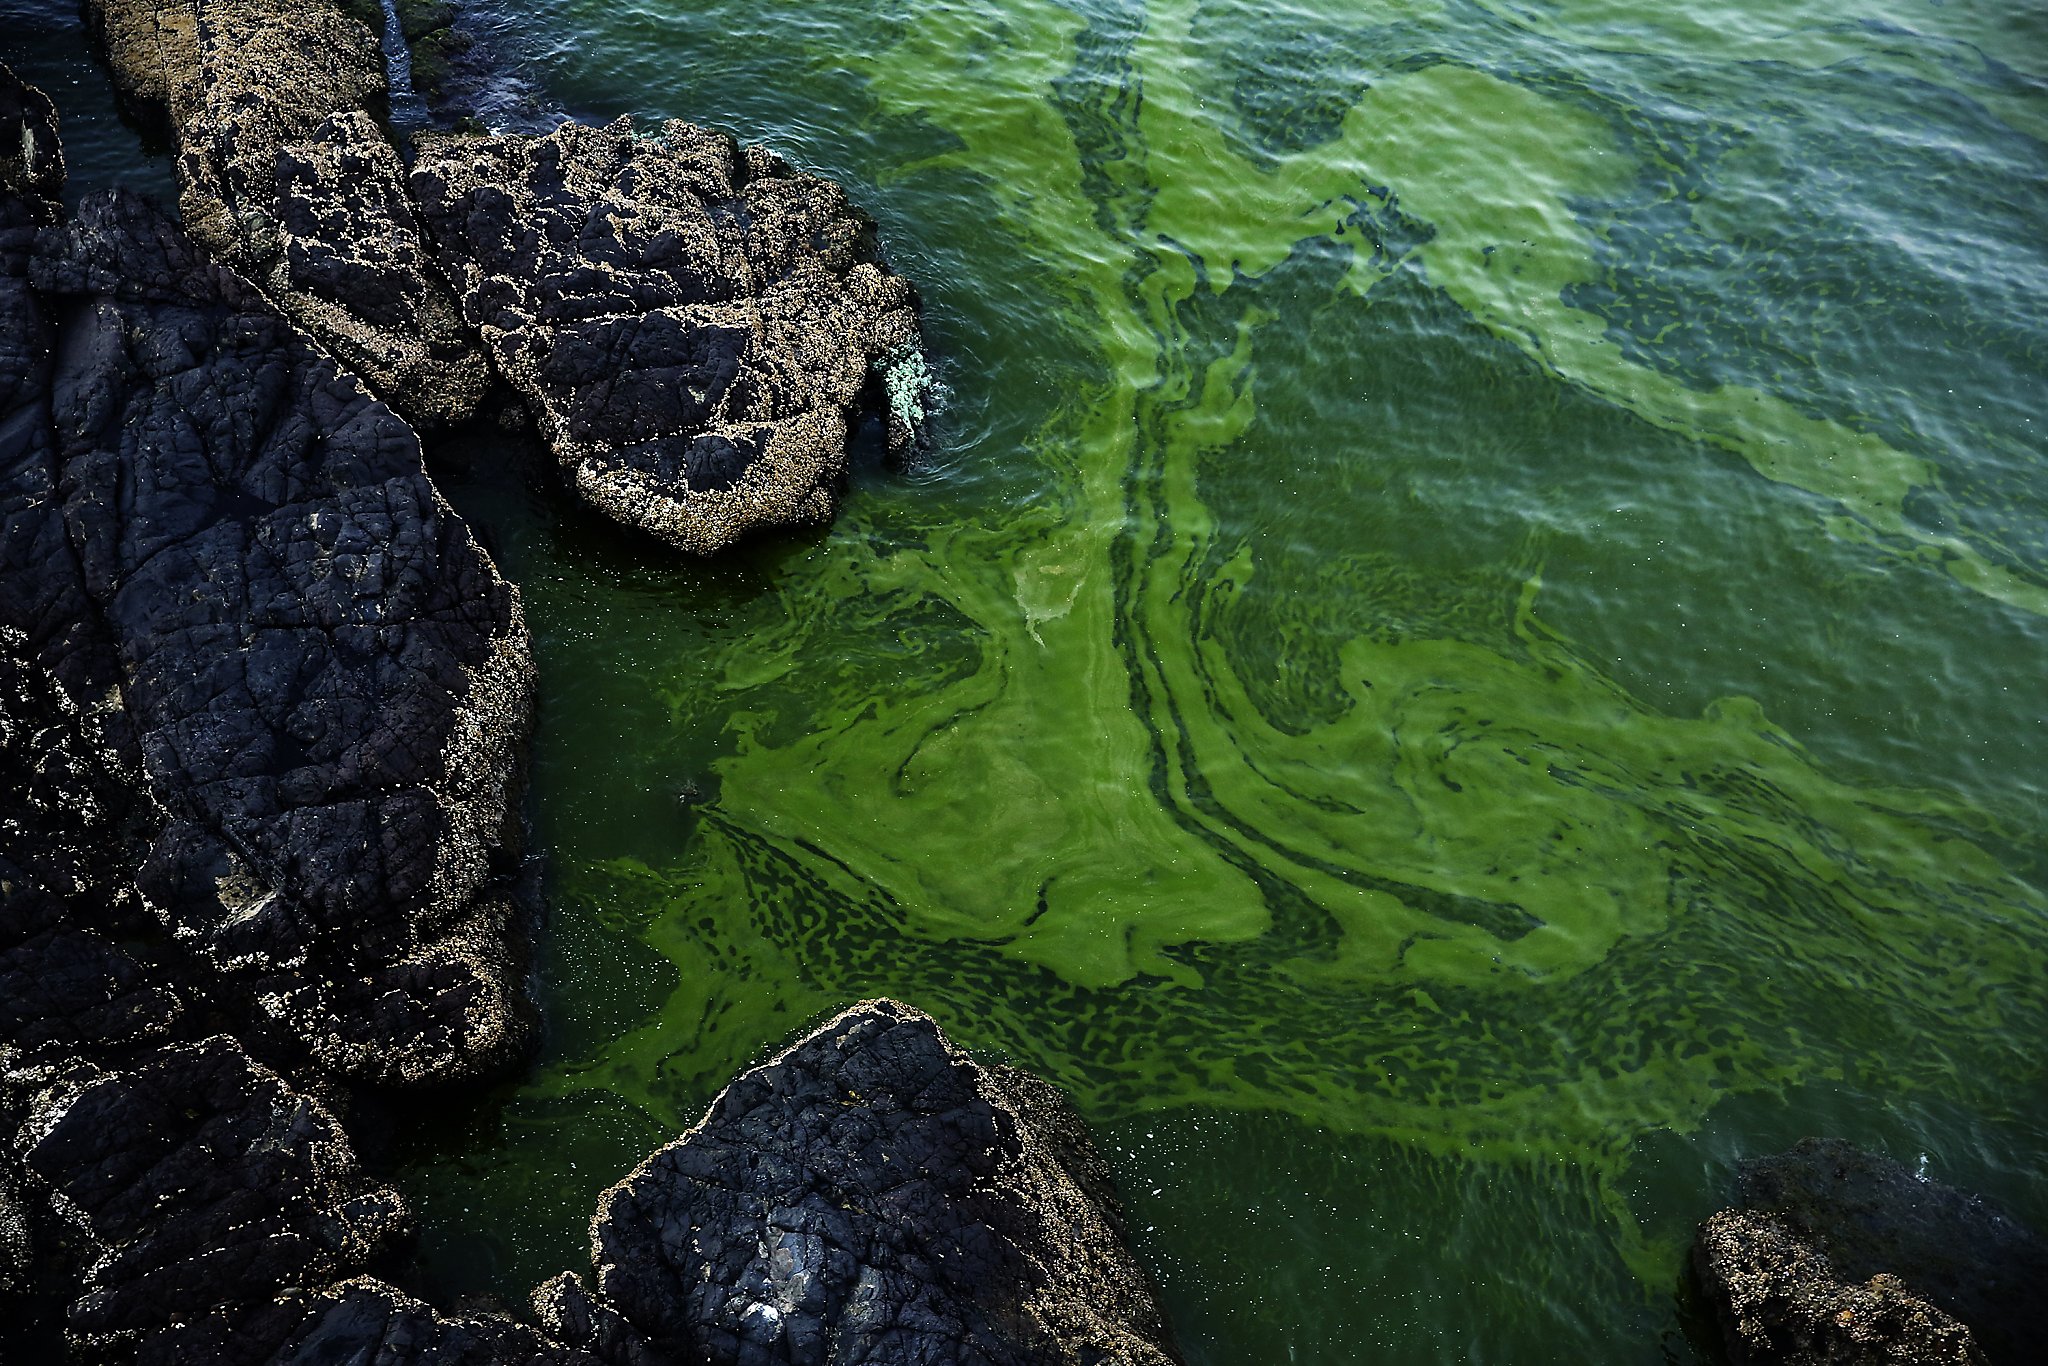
{"x": 328, "y": 684}
{"x": 30, "y": 1305}
{"x": 219, "y": 1216}
{"x": 1779, "y": 1300}
{"x": 202, "y": 1187}
{"x": 329, "y": 681}
{"x": 285, "y": 173}
{"x": 367, "y": 1321}
{"x": 691, "y": 324}
{"x": 1870, "y": 1215}
{"x": 1836, "y": 1252}
{"x": 65, "y": 990}
{"x": 871, "y": 1195}
{"x": 14, "y": 1232}
{"x": 228, "y": 599}
{"x": 71, "y": 833}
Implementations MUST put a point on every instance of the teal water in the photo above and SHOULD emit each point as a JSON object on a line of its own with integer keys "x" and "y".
{"x": 1468, "y": 652}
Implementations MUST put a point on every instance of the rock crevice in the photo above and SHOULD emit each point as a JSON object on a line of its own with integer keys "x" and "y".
{"x": 284, "y": 172}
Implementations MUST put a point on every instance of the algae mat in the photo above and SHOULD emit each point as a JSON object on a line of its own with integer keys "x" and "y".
{"x": 1468, "y": 652}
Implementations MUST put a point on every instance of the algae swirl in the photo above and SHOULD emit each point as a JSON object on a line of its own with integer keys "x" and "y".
{"x": 1481, "y": 591}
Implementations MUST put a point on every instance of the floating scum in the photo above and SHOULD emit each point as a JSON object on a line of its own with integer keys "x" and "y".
{"x": 1479, "y": 896}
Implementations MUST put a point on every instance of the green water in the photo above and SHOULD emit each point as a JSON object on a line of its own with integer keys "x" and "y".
{"x": 1469, "y": 651}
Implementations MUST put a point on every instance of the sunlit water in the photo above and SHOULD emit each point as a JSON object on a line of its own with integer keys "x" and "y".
{"x": 1469, "y": 651}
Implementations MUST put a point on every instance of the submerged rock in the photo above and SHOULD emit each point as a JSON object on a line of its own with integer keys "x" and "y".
{"x": 1839, "y": 1255}
{"x": 691, "y": 323}
{"x": 871, "y": 1195}
{"x": 285, "y": 173}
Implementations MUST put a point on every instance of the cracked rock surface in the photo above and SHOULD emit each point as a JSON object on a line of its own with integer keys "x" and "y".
{"x": 231, "y": 606}
{"x": 202, "y": 1186}
{"x": 873, "y": 1195}
{"x": 690, "y": 322}
{"x": 1839, "y": 1255}
{"x": 286, "y": 175}
{"x": 328, "y": 682}
{"x": 225, "y": 559}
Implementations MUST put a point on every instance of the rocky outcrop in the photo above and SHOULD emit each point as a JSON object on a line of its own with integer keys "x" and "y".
{"x": 1779, "y": 1300}
{"x": 210, "y": 1212}
{"x": 263, "y": 701}
{"x": 202, "y": 1187}
{"x": 367, "y": 1320}
{"x": 261, "y": 704}
{"x": 305, "y": 688}
{"x": 285, "y": 173}
{"x": 692, "y": 323}
{"x": 871, "y": 1195}
{"x": 1837, "y": 1255}
{"x": 328, "y": 683}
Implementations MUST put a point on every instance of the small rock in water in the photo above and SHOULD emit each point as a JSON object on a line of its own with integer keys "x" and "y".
{"x": 691, "y": 322}
{"x": 871, "y": 1195}
{"x": 1837, "y": 1255}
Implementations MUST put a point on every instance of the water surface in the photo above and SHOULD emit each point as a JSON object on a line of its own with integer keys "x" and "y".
{"x": 1469, "y": 653}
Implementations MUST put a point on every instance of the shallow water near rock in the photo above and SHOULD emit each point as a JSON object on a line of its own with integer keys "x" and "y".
{"x": 1467, "y": 653}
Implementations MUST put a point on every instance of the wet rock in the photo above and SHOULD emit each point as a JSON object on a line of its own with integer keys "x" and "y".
{"x": 692, "y": 324}
{"x": 286, "y": 175}
{"x": 1779, "y": 1300}
{"x": 1836, "y": 1251}
{"x": 328, "y": 684}
{"x": 1871, "y": 1215}
{"x": 202, "y": 1186}
{"x": 871, "y": 1195}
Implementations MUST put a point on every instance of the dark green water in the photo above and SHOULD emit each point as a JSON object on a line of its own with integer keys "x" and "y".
{"x": 1470, "y": 652}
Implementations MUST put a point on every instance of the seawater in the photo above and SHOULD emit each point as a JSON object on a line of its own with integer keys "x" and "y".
{"x": 1467, "y": 651}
